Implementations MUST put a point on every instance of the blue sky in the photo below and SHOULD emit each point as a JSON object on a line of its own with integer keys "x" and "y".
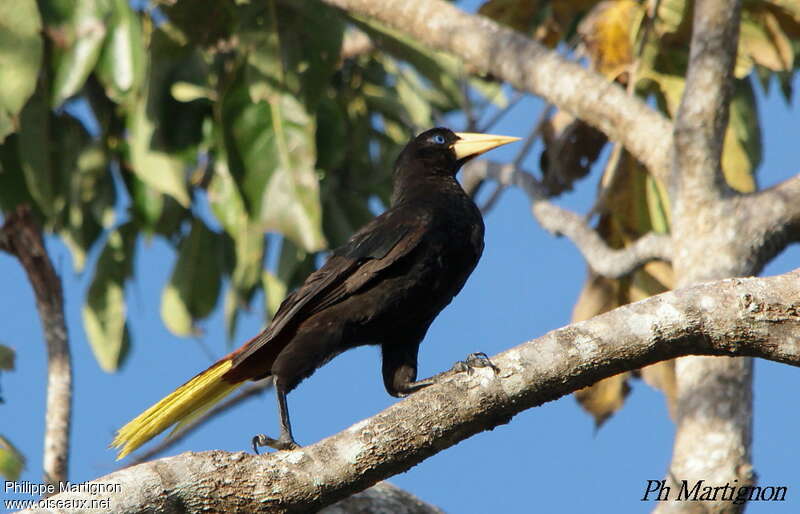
{"x": 548, "y": 458}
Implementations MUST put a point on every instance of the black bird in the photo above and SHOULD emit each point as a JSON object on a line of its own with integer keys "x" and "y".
{"x": 384, "y": 286}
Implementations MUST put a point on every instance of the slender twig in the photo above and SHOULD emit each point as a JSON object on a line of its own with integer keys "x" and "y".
{"x": 497, "y": 116}
{"x": 603, "y": 259}
{"x": 22, "y": 237}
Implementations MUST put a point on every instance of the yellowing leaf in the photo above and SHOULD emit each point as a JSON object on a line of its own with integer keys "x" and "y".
{"x": 607, "y": 33}
{"x": 762, "y": 40}
{"x": 741, "y": 153}
{"x": 605, "y": 397}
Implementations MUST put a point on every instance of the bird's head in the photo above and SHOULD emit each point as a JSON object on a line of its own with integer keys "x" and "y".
{"x": 441, "y": 151}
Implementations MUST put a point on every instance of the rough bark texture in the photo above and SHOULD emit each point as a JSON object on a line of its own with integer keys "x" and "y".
{"x": 714, "y": 401}
{"x": 21, "y": 237}
{"x": 753, "y": 316}
{"x": 529, "y": 66}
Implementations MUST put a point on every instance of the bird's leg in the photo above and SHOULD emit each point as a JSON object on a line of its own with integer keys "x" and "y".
{"x": 400, "y": 369}
{"x": 285, "y": 441}
{"x": 475, "y": 360}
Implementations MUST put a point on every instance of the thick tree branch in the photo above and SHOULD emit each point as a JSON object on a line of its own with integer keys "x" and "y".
{"x": 703, "y": 113}
{"x": 603, "y": 259}
{"x": 22, "y": 238}
{"x": 529, "y": 66}
{"x": 753, "y": 316}
{"x": 714, "y": 396}
{"x": 772, "y": 220}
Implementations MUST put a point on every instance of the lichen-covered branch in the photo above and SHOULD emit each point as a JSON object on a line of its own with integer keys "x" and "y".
{"x": 753, "y": 316}
{"x": 529, "y": 66}
{"x": 714, "y": 408}
{"x": 702, "y": 116}
{"x": 22, "y": 238}
{"x": 604, "y": 260}
{"x": 772, "y": 220}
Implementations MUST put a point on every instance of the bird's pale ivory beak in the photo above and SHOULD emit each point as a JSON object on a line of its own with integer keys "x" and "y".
{"x": 470, "y": 144}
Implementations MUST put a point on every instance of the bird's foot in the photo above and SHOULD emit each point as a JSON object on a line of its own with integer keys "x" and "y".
{"x": 263, "y": 440}
{"x": 475, "y": 360}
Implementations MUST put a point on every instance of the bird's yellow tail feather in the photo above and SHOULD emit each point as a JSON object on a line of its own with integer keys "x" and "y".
{"x": 181, "y": 406}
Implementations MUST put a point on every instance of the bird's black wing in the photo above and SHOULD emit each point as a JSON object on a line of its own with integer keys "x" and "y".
{"x": 378, "y": 245}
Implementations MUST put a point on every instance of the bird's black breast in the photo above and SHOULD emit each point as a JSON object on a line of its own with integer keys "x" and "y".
{"x": 410, "y": 295}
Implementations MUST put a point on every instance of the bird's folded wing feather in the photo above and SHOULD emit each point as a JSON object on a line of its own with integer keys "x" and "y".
{"x": 374, "y": 248}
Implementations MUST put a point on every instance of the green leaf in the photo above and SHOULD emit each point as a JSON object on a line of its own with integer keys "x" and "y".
{"x": 152, "y": 124}
{"x": 36, "y": 156}
{"x": 158, "y": 169}
{"x": 194, "y": 286}
{"x": 294, "y": 265}
{"x": 13, "y": 189}
{"x": 91, "y": 195}
{"x": 12, "y": 462}
{"x": 6, "y": 358}
{"x": 442, "y": 70}
{"x": 20, "y": 56}
{"x": 274, "y": 290}
{"x": 104, "y": 314}
{"x": 291, "y": 46}
{"x": 121, "y": 65}
{"x": 229, "y": 208}
{"x": 270, "y": 148}
{"x": 79, "y": 42}
{"x": 147, "y": 203}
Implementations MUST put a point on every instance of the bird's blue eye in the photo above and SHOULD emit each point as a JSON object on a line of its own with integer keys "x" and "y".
{"x": 438, "y": 139}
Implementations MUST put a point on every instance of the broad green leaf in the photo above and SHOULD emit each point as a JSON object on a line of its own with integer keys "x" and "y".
{"x": 249, "y": 244}
{"x": 441, "y": 69}
{"x": 12, "y": 462}
{"x": 147, "y": 203}
{"x": 20, "y": 56}
{"x": 160, "y": 127}
{"x": 13, "y": 189}
{"x": 36, "y": 158}
{"x": 294, "y": 265}
{"x": 91, "y": 195}
{"x": 292, "y": 47}
{"x": 275, "y": 291}
{"x": 228, "y": 207}
{"x": 104, "y": 314}
{"x": 270, "y": 148}
{"x": 160, "y": 170}
{"x": 80, "y": 40}
{"x": 6, "y": 358}
{"x": 121, "y": 65}
{"x": 194, "y": 286}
